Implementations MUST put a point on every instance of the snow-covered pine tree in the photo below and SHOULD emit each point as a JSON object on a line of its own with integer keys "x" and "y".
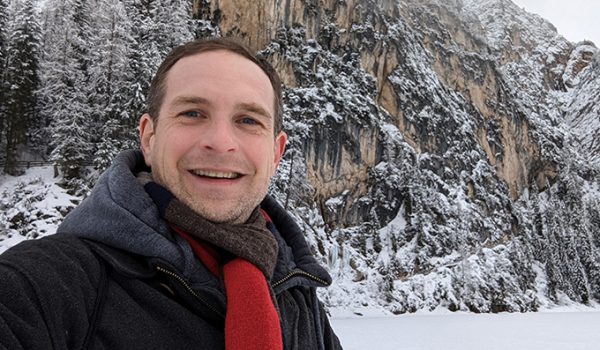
{"x": 20, "y": 80}
{"x": 39, "y": 132}
{"x": 174, "y": 22}
{"x": 64, "y": 89}
{"x": 589, "y": 235}
{"x": 3, "y": 24}
{"x": 157, "y": 26}
{"x": 110, "y": 79}
{"x": 292, "y": 177}
{"x": 583, "y": 250}
{"x": 82, "y": 20}
{"x": 557, "y": 256}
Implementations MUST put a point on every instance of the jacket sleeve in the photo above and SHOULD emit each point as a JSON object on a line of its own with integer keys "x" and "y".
{"x": 331, "y": 340}
{"x": 22, "y": 324}
{"x": 47, "y": 293}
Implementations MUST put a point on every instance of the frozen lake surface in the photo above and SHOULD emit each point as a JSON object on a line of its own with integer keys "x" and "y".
{"x": 565, "y": 330}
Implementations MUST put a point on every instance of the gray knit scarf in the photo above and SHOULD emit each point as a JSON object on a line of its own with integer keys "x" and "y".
{"x": 251, "y": 240}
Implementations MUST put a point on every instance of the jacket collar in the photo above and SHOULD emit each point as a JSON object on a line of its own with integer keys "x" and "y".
{"x": 120, "y": 214}
{"x": 294, "y": 252}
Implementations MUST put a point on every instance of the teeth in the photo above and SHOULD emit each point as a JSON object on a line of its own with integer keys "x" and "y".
{"x": 216, "y": 174}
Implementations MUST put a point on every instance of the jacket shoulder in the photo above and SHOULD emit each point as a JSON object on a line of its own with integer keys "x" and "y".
{"x": 48, "y": 289}
{"x": 60, "y": 256}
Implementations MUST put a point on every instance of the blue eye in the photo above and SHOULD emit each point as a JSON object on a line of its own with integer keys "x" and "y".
{"x": 248, "y": 120}
{"x": 191, "y": 114}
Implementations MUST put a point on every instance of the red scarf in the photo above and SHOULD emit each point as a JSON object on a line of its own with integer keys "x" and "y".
{"x": 251, "y": 321}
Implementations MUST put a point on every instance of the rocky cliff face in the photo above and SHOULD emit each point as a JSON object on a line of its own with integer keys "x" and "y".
{"x": 428, "y": 139}
{"x": 461, "y": 60}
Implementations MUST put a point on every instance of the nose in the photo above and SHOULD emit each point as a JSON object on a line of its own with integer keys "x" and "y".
{"x": 219, "y": 136}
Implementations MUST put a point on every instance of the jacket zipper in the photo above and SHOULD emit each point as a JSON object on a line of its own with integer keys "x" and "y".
{"x": 189, "y": 289}
{"x": 299, "y": 273}
{"x": 273, "y": 285}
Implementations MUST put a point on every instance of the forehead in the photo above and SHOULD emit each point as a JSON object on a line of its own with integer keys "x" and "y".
{"x": 222, "y": 74}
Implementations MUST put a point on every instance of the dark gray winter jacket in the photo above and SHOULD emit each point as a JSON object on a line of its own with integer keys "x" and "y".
{"x": 115, "y": 277}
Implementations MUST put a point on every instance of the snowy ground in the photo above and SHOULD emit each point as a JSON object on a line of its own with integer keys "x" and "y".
{"x": 42, "y": 216}
{"x": 565, "y": 329}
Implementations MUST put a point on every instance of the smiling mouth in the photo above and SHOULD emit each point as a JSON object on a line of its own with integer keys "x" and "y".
{"x": 216, "y": 174}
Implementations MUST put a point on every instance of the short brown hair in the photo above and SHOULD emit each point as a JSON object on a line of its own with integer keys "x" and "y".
{"x": 156, "y": 94}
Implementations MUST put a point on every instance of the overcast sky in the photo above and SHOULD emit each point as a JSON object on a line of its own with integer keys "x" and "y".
{"x": 576, "y": 20}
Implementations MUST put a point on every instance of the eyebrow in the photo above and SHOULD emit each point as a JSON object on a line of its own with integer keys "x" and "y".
{"x": 187, "y": 100}
{"x": 254, "y": 108}
{"x": 246, "y": 106}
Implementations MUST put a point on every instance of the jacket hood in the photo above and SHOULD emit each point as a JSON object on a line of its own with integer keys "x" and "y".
{"x": 121, "y": 214}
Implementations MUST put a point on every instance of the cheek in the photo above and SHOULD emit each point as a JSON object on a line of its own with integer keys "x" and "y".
{"x": 163, "y": 156}
{"x": 260, "y": 160}
{"x": 174, "y": 145}
{"x": 271, "y": 163}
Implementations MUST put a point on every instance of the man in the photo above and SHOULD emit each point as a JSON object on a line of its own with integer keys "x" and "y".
{"x": 178, "y": 246}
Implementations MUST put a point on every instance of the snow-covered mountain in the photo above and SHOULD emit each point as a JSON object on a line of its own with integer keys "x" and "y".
{"x": 442, "y": 153}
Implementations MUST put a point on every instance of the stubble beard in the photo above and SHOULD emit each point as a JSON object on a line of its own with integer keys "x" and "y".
{"x": 236, "y": 213}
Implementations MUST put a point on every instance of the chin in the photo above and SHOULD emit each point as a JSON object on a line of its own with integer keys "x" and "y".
{"x": 218, "y": 217}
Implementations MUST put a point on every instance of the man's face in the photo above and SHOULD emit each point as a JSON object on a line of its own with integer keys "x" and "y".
{"x": 213, "y": 145}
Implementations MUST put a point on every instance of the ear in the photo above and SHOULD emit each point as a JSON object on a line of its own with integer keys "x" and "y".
{"x": 146, "y": 129}
{"x": 279, "y": 145}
